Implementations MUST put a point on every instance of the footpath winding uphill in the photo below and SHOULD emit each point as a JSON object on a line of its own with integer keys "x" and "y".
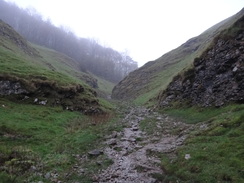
{"x": 135, "y": 152}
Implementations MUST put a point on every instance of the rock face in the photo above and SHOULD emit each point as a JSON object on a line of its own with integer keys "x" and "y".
{"x": 10, "y": 87}
{"x": 73, "y": 98}
{"x": 217, "y": 76}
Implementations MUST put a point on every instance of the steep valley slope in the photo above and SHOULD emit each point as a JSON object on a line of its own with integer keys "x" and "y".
{"x": 200, "y": 83}
{"x": 45, "y": 136}
{"x": 147, "y": 81}
{"x": 37, "y": 75}
{"x": 217, "y": 77}
{"x": 49, "y": 111}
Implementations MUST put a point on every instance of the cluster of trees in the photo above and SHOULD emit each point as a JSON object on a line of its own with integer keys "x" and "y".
{"x": 101, "y": 61}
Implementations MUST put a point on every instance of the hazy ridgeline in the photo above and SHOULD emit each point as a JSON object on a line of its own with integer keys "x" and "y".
{"x": 91, "y": 56}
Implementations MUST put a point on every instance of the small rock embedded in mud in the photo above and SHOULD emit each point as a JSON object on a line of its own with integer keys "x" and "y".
{"x": 95, "y": 152}
{"x": 81, "y": 171}
{"x": 112, "y": 142}
{"x": 55, "y": 175}
{"x": 135, "y": 128}
{"x": 99, "y": 163}
{"x": 25, "y": 98}
{"x": 132, "y": 140}
{"x": 187, "y": 156}
{"x": 48, "y": 175}
{"x": 33, "y": 168}
{"x": 159, "y": 118}
{"x": 44, "y": 102}
{"x": 114, "y": 134}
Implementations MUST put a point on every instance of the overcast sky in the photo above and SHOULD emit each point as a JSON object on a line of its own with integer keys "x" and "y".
{"x": 145, "y": 28}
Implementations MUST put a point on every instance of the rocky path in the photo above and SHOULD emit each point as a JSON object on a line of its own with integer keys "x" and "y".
{"x": 134, "y": 152}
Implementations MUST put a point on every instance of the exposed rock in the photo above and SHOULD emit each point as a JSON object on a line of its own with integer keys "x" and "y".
{"x": 43, "y": 92}
{"x": 47, "y": 175}
{"x": 217, "y": 77}
{"x": 11, "y": 87}
{"x": 112, "y": 142}
{"x": 136, "y": 162}
{"x": 135, "y": 128}
{"x": 93, "y": 111}
{"x": 114, "y": 134}
{"x": 44, "y": 102}
{"x": 95, "y": 152}
{"x": 147, "y": 78}
{"x": 187, "y": 156}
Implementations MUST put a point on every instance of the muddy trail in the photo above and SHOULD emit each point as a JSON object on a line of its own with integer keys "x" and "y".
{"x": 135, "y": 152}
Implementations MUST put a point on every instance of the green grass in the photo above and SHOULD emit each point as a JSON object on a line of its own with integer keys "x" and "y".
{"x": 46, "y": 64}
{"x": 36, "y": 140}
{"x": 107, "y": 105}
{"x": 148, "y": 125}
{"x": 29, "y": 68}
{"x": 105, "y": 86}
{"x": 43, "y": 137}
{"x": 67, "y": 66}
{"x": 48, "y": 67}
{"x": 216, "y": 153}
{"x": 32, "y": 65}
{"x": 58, "y": 62}
{"x": 197, "y": 114}
{"x": 47, "y": 137}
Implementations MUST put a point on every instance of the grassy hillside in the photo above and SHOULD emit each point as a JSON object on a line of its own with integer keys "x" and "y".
{"x": 146, "y": 82}
{"x": 34, "y": 66}
{"x": 22, "y": 59}
{"x": 40, "y": 141}
{"x": 216, "y": 147}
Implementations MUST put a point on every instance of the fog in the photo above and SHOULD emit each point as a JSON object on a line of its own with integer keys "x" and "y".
{"x": 91, "y": 56}
{"x": 145, "y": 28}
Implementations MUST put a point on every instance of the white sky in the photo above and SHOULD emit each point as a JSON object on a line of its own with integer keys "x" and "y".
{"x": 145, "y": 28}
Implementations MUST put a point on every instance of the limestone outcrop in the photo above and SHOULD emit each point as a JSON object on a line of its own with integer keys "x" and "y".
{"x": 217, "y": 76}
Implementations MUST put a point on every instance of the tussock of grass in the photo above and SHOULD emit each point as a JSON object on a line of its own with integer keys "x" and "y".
{"x": 216, "y": 153}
